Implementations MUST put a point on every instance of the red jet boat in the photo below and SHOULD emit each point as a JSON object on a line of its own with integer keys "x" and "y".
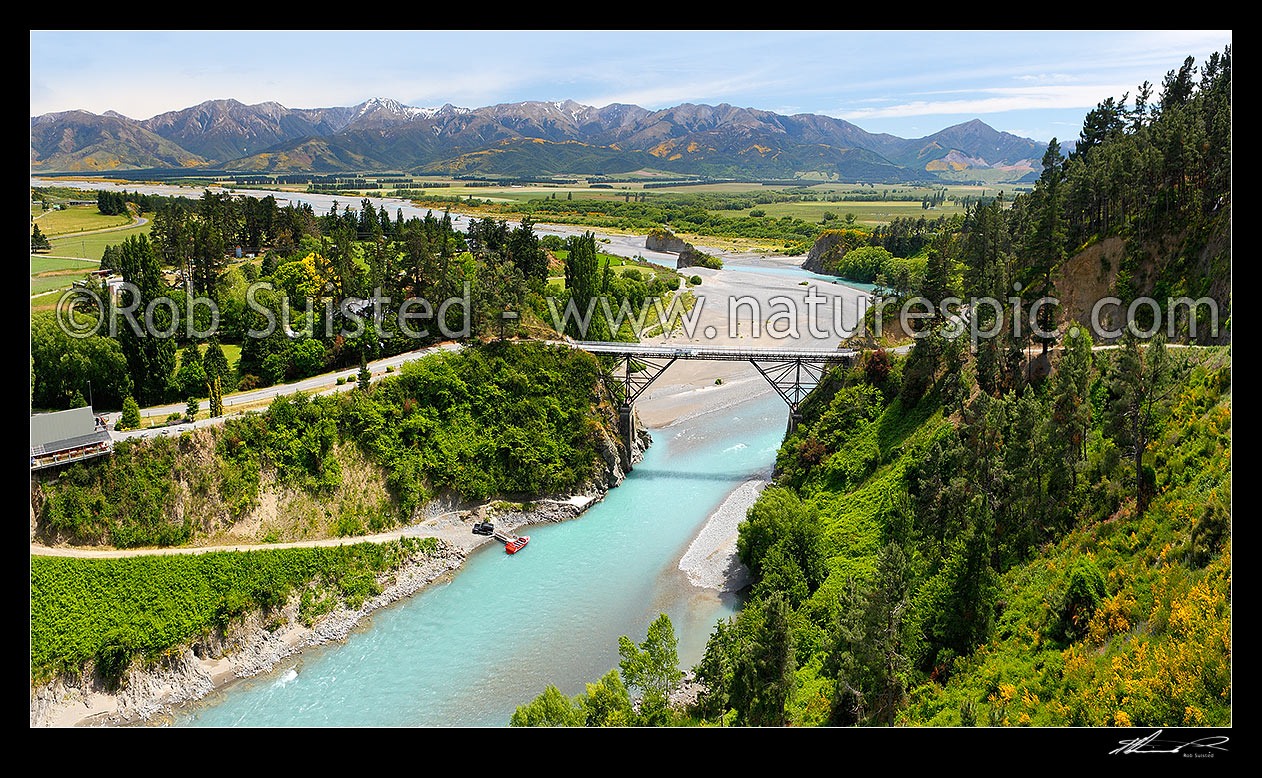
{"x": 517, "y": 544}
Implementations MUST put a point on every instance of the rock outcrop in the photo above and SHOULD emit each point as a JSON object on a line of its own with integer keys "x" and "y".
{"x": 665, "y": 240}
{"x": 690, "y": 257}
{"x": 830, "y": 246}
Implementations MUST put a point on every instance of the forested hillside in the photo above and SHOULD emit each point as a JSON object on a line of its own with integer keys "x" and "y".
{"x": 976, "y": 536}
{"x": 501, "y": 419}
{"x": 995, "y": 533}
{"x": 963, "y": 557}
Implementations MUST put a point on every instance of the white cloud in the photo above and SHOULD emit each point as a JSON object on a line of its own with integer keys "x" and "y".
{"x": 996, "y": 100}
{"x": 1047, "y": 78}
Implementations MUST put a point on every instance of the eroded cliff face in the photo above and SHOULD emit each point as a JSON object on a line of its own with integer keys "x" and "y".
{"x": 689, "y": 255}
{"x": 1089, "y": 276}
{"x": 1192, "y": 266}
{"x": 614, "y": 453}
{"x": 278, "y": 512}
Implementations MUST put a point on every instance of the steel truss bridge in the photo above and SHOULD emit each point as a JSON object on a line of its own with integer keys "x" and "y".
{"x": 792, "y": 372}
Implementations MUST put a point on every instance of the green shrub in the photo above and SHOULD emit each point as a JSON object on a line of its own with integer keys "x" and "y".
{"x": 130, "y": 419}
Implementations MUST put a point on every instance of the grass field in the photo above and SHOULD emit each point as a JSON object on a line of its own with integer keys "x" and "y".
{"x": 521, "y": 194}
{"x": 56, "y": 280}
{"x": 866, "y": 213}
{"x": 79, "y": 218}
{"x": 93, "y": 246}
{"x": 41, "y": 264}
{"x": 49, "y": 273}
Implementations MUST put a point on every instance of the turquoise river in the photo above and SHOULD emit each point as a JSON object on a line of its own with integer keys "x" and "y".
{"x": 469, "y": 649}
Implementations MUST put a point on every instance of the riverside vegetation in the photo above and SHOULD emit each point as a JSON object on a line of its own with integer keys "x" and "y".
{"x": 983, "y": 537}
{"x": 102, "y": 614}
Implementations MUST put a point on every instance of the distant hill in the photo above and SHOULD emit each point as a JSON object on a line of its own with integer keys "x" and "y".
{"x": 513, "y": 139}
{"x": 81, "y": 141}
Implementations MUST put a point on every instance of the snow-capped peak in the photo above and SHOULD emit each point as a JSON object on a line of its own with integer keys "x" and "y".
{"x": 387, "y": 105}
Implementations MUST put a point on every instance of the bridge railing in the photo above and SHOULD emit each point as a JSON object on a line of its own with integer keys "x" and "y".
{"x": 720, "y": 353}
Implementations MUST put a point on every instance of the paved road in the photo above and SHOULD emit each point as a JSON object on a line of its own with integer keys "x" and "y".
{"x": 321, "y": 384}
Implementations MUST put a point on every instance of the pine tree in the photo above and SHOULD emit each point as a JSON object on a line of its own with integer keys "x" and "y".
{"x": 774, "y": 663}
{"x": 365, "y": 375}
{"x": 172, "y": 238}
{"x": 1138, "y": 384}
{"x": 38, "y": 241}
{"x": 583, "y": 281}
{"x": 868, "y": 656}
{"x": 206, "y": 259}
{"x": 130, "y": 419}
{"x": 215, "y": 389}
{"x": 937, "y": 282}
{"x": 214, "y": 363}
{"x": 1071, "y": 412}
{"x": 150, "y": 358}
{"x": 1049, "y": 233}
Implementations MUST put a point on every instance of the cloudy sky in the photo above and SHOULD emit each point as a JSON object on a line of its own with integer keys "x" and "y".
{"x": 910, "y": 84}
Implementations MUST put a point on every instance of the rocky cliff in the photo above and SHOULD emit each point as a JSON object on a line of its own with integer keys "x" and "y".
{"x": 830, "y": 246}
{"x": 665, "y": 240}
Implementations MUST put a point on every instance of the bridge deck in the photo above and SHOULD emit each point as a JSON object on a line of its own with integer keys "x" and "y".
{"x": 721, "y": 353}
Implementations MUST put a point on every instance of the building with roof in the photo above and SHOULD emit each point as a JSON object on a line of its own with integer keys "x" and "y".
{"x": 68, "y": 436}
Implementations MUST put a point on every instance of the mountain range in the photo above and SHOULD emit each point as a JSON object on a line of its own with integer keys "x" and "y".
{"x": 515, "y": 139}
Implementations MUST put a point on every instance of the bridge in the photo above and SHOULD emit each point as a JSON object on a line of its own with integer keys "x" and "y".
{"x": 792, "y": 372}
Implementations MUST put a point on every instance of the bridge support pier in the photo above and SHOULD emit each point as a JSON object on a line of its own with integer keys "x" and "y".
{"x": 795, "y": 417}
{"x": 638, "y": 374}
{"x": 626, "y": 427}
{"x": 793, "y": 379}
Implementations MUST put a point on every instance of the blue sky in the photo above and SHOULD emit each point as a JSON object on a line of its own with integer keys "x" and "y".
{"x": 1034, "y": 84}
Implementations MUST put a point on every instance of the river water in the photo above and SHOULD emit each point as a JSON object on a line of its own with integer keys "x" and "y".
{"x": 468, "y": 651}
